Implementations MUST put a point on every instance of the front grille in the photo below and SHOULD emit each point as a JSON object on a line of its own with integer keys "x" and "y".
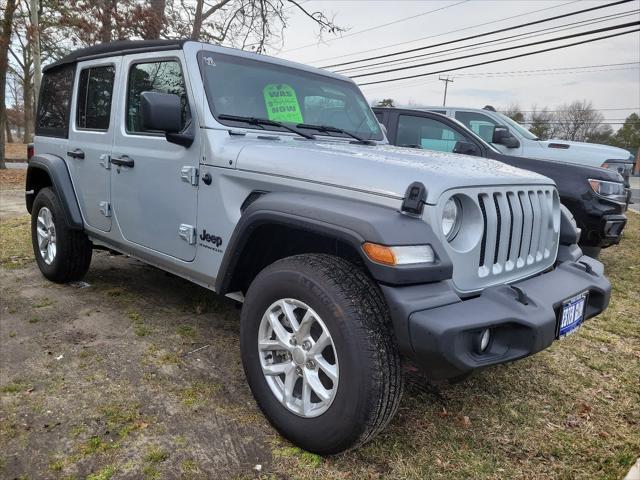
{"x": 507, "y": 233}
{"x": 518, "y": 229}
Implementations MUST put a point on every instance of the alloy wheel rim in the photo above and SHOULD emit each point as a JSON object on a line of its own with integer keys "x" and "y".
{"x": 298, "y": 358}
{"x": 46, "y": 233}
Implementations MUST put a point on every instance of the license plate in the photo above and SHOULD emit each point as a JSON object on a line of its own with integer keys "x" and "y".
{"x": 572, "y": 314}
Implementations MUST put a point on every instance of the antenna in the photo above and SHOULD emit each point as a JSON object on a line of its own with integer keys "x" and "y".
{"x": 446, "y": 81}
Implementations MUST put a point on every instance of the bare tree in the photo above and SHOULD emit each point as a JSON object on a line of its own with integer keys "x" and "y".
{"x": 578, "y": 121}
{"x": 5, "y": 40}
{"x": 514, "y": 112}
{"x": 248, "y": 24}
{"x": 21, "y": 64}
{"x": 542, "y": 123}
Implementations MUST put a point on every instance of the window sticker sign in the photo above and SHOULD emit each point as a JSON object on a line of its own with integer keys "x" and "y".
{"x": 282, "y": 103}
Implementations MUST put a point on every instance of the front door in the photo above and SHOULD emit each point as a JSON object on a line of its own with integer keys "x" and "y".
{"x": 154, "y": 197}
{"x": 92, "y": 124}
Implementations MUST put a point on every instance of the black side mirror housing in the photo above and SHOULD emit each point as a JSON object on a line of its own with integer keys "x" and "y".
{"x": 466, "y": 148}
{"x": 502, "y": 136}
{"x": 163, "y": 112}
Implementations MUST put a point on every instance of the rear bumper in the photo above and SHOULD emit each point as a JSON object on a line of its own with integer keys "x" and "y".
{"x": 443, "y": 338}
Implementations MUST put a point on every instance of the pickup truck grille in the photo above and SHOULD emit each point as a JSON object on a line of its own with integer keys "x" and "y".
{"x": 520, "y": 231}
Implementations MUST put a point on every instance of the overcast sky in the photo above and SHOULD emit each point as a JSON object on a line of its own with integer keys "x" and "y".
{"x": 613, "y": 87}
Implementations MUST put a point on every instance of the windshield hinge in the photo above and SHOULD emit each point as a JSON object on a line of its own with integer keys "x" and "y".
{"x": 105, "y": 161}
{"x": 189, "y": 174}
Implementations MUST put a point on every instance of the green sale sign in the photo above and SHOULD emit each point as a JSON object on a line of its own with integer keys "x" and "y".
{"x": 282, "y": 103}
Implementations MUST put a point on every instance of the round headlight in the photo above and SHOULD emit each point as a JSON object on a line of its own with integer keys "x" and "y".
{"x": 451, "y": 218}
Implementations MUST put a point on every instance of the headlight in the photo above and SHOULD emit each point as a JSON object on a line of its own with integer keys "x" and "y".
{"x": 611, "y": 190}
{"x": 451, "y": 214}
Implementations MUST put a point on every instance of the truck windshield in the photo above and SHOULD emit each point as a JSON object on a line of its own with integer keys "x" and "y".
{"x": 244, "y": 87}
{"x": 516, "y": 126}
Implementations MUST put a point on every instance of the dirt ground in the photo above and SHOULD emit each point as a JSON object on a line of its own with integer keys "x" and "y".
{"x": 137, "y": 374}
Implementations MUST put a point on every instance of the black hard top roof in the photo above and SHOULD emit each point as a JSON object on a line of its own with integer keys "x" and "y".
{"x": 115, "y": 48}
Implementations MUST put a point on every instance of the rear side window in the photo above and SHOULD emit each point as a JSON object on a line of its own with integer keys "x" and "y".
{"x": 426, "y": 133}
{"x": 95, "y": 90}
{"x": 52, "y": 119}
{"x": 479, "y": 123}
{"x": 164, "y": 77}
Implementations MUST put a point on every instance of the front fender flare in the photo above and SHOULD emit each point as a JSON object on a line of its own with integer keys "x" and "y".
{"x": 57, "y": 171}
{"x": 351, "y": 221}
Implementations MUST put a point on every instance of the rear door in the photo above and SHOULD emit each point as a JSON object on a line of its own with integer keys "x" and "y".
{"x": 91, "y": 139}
{"x": 155, "y": 196}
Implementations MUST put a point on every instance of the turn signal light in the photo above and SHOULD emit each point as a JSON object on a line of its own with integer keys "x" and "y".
{"x": 399, "y": 255}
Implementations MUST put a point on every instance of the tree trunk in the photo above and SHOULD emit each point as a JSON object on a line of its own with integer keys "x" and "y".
{"x": 5, "y": 39}
{"x": 27, "y": 88}
{"x": 8, "y": 128}
{"x": 35, "y": 40}
{"x": 197, "y": 21}
{"x": 155, "y": 20}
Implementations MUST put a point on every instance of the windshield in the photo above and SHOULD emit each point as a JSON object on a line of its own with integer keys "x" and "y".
{"x": 516, "y": 126}
{"x": 250, "y": 88}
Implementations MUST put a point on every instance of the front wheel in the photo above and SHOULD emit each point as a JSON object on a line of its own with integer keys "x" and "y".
{"x": 319, "y": 352}
{"x": 62, "y": 254}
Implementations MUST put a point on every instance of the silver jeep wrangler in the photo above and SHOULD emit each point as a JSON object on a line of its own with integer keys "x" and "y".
{"x": 272, "y": 183}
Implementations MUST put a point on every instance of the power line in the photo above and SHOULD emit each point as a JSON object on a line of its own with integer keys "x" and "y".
{"x": 445, "y": 33}
{"x": 577, "y": 12}
{"x": 540, "y": 42}
{"x": 498, "y": 41}
{"x": 550, "y": 69}
{"x": 378, "y": 26}
{"x": 529, "y": 73}
{"x": 505, "y": 58}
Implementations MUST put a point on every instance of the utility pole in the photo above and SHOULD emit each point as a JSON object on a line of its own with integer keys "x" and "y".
{"x": 446, "y": 81}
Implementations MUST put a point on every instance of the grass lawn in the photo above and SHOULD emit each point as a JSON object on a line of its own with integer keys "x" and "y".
{"x": 570, "y": 412}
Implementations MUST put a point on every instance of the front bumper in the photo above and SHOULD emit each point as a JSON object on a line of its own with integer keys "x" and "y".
{"x": 442, "y": 338}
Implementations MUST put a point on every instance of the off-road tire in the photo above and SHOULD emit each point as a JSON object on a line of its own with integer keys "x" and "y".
{"x": 352, "y": 307}
{"x": 73, "y": 255}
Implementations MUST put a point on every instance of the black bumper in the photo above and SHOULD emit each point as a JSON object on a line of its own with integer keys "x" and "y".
{"x": 443, "y": 339}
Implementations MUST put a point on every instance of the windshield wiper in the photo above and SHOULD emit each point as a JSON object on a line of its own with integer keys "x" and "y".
{"x": 328, "y": 129}
{"x": 263, "y": 122}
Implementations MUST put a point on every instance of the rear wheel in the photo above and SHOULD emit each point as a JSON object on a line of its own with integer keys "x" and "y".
{"x": 62, "y": 254}
{"x": 319, "y": 352}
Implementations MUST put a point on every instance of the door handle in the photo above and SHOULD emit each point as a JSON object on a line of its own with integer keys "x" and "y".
{"x": 123, "y": 161}
{"x": 77, "y": 153}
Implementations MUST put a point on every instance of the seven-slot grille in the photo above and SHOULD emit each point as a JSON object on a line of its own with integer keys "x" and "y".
{"x": 518, "y": 230}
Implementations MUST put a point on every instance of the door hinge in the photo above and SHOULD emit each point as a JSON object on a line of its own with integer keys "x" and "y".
{"x": 105, "y": 208}
{"x": 189, "y": 174}
{"x": 187, "y": 233}
{"x": 105, "y": 161}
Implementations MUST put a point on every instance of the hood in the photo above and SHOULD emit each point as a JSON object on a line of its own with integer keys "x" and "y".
{"x": 380, "y": 169}
{"x": 604, "y": 152}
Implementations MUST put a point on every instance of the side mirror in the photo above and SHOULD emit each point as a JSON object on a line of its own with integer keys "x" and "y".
{"x": 466, "y": 148}
{"x": 163, "y": 112}
{"x": 502, "y": 136}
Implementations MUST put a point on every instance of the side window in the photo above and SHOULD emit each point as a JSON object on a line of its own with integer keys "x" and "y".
{"x": 379, "y": 116}
{"x": 426, "y": 133}
{"x": 95, "y": 90}
{"x": 52, "y": 118}
{"x": 166, "y": 77}
{"x": 480, "y": 123}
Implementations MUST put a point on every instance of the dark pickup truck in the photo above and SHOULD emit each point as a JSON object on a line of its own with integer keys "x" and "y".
{"x": 596, "y": 197}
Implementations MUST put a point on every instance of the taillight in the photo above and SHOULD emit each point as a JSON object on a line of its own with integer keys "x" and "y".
{"x": 31, "y": 151}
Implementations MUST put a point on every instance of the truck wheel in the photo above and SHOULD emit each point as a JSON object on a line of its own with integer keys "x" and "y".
{"x": 319, "y": 353}
{"x": 62, "y": 254}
